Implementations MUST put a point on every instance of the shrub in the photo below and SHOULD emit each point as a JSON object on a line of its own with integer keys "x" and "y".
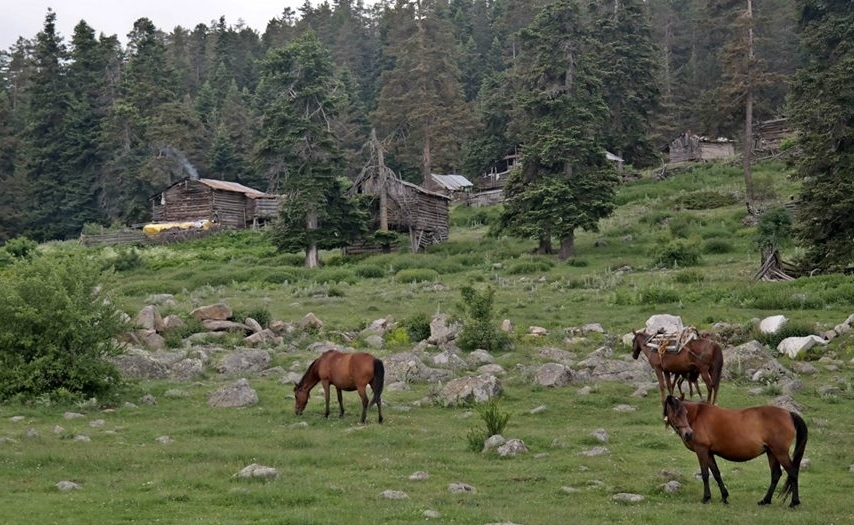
{"x": 369, "y": 271}
{"x": 417, "y": 327}
{"x": 689, "y": 277}
{"x": 127, "y": 258}
{"x": 684, "y": 225}
{"x": 530, "y": 266}
{"x": 706, "y": 200}
{"x": 397, "y": 337}
{"x": 789, "y": 329}
{"x": 479, "y": 329}
{"x": 21, "y": 247}
{"x": 335, "y": 275}
{"x": 262, "y": 315}
{"x": 713, "y": 246}
{"x": 416, "y": 275}
{"x": 61, "y": 329}
{"x": 674, "y": 253}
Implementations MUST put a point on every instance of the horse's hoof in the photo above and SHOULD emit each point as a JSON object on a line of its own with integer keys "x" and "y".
{"x": 706, "y": 500}
{"x": 794, "y": 504}
{"x": 763, "y": 502}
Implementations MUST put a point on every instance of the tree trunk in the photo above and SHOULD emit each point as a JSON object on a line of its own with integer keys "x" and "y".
{"x": 383, "y": 180}
{"x": 311, "y": 259}
{"x": 567, "y": 247}
{"x": 545, "y": 246}
{"x": 748, "y": 108}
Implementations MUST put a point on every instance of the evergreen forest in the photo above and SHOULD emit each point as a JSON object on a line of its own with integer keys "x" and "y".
{"x": 91, "y": 126}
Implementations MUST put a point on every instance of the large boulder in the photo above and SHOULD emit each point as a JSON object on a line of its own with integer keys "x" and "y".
{"x": 772, "y": 324}
{"x": 244, "y": 361}
{"x": 666, "y": 323}
{"x": 468, "y": 390}
{"x": 553, "y": 375}
{"x": 236, "y": 395}
{"x": 794, "y": 346}
{"x": 215, "y": 312}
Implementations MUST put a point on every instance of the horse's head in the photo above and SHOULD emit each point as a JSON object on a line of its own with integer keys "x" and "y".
{"x": 676, "y": 416}
{"x": 638, "y": 339}
{"x": 300, "y": 398}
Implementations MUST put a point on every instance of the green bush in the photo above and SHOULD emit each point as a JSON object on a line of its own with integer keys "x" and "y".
{"x": 684, "y": 225}
{"x": 417, "y": 327}
{"x": 689, "y": 277}
{"x": 335, "y": 275}
{"x": 675, "y": 253}
{"x": 706, "y": 200}
{"x": 479, "y": 328}
{"x": 58, "y": 328}
{"x": 20, "y": 247}
{"x": 789, "y": 329}
{"x": 416, "y": 275}
{"x": 127, "y": 258}
{"x": 530, "y": 266}
{"x": 713, "y": 246}
{"x": 369, "y": 271}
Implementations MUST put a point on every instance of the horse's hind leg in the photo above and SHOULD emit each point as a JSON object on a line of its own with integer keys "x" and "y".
{"x": 375, "y": 400}
{"x": 364, "y": 396}
{"x": 340, "y": 403}
{"x": 776, "y": 473}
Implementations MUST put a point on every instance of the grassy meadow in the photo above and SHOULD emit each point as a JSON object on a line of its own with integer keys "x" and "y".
{"x": 677, "y": 246}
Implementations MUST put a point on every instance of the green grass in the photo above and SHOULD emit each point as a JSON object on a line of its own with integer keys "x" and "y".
{"x": 333, "y": 471}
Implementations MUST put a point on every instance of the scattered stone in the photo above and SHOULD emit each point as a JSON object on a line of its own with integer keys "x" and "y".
{"x": 429, "y": 513}
{"x": 537, "y": 410}
{"x": 164, "y": 440}
{"x": 83, "y": 438}
{"x": 596, "y": 451}
{"x": 601, "y": 435}
{"x": 459, "y": 488}
{"x": 31, "y": 433}
{"x": 671, "y": 486}
{"x": 419, "y": 475}
{"x": 66, "y": 486}
{"x": 492, "y": 442}
{"x": 256, "y": 471}
{"x": 148, "y": 399}
{"x": 394, "y": 494}
{"x": 626, "y": 497}
{"x": 95, "y": 423}
{"x": 73, "y": 415}
{"x": 18, "y": 419}
{"x": 236, "y": 395}
{"x": 512, "y": 448}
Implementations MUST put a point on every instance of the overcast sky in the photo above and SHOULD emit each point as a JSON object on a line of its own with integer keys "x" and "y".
{"x": 116, "y": 17}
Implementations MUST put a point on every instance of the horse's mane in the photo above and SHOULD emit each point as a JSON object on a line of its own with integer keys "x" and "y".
{"x": 311, "y": 367}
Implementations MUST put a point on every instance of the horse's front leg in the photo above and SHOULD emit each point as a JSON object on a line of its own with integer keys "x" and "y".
{"x": 713, "y": 465}
{"x": 325, "y": 385}
{"x": 340, "y": 402}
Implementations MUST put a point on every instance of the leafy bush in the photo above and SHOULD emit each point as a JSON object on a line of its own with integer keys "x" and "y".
{"x": 479, "y": 329}
{"x": 262, "y": 315}
{"x": 416, "y": 275}
{"x": 530, "y": 266}
{"x": 127, "y": 258}
{"x": 683, "y": 225}
{"x": 417, "y": 327}
{"x": 397, "y": 337}
{"x": 20, "y": 247}
{"x": 689, "y": 277}
{"x": 369, "y": 271}
{"x": 706, "y": 200}
{"x": 713, "y": 246}
{"x": 58, "y": 328}
{"x": 675, "y": 253}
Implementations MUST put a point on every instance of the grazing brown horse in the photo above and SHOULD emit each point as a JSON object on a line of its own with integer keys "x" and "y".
{"x": 741, "y": 435}
{"x": 700, "y": 357}
{"x": 347, "y": 371}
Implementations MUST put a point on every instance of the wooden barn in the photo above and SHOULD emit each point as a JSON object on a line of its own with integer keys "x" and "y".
{"x": 229, "y": 204}
{"x": 409, "y": 208}
{"x": 692, "y": 148}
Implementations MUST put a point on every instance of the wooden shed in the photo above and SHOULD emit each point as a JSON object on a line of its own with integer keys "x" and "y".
{"x": 454, "y": 186}
{"x": 230, "y": 204}
{"x": 770, "y": 134}
{"x": 692, "y": 148}
{"x": 423, "y": 214}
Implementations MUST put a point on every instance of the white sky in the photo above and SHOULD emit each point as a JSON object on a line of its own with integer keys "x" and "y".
{"x": 116, "y": 17}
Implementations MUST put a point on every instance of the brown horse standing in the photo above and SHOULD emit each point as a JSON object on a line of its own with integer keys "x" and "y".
{"x": 701, "y": 356}
{"x": 741, "y": 435}
{"x": 347, "y": 371}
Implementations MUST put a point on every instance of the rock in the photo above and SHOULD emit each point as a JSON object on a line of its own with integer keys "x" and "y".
{"x": 213, "y": 312}
{"x": 66, "y": 486}
{"x": 794, "y": 346}
{"x": 236, "y": 395}
{"x": 772, "y": 324}
{"x": 512, "y": 448}
{"x": 467, "y": 390}
{"x": 553, "y": 375}
{"x": 394, "y": 494}
{"x": 625, "y": 497}
{"x": 256, "y": 471}
{"x": 460, "y": 488}
{"x": 667, "y": 323}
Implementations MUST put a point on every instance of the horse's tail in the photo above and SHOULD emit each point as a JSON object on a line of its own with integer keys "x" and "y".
{"x": 801, "y": 435}
{"x": 379, "y": 379}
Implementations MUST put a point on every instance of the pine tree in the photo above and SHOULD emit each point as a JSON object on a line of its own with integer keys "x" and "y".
{"x": 564, "y": 183}
{"x": 300, "y": 98}
{"x": 822, "y": 110}
{"x": 630, "y": 73}
{"x": 422, "y": 106}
